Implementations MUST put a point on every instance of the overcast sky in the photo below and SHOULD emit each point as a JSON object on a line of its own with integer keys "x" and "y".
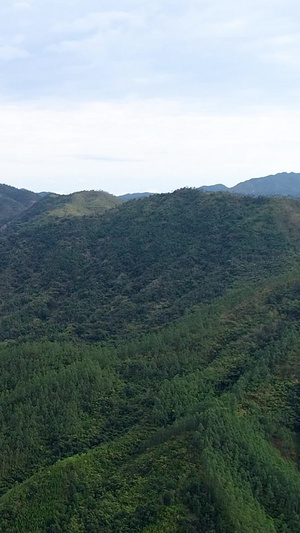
{"x": 127, "y": 95}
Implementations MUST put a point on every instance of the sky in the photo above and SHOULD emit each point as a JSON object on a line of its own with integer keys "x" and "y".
{"x": 127, "y": 96}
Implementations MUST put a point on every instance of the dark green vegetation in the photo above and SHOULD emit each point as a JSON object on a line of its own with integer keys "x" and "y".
{"x": 282, "y": 184}
{"x": 14, "y": 201}
{"x": 149, "y": 367}
{"x": 139, "y": 266}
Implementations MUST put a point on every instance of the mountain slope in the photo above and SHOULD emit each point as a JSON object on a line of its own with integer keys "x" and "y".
{"x": 13, "y": 201}
{"x": 135, "y": 195}
{"x": 140, "y": 265}
{"x": 174, "y": 432}
{"x": 82, "y": 204}
{"x": 215, "y": 188}
{"x": 282, "y": 184}
{"x": 61, "y": 206}
{"x": 149, "y": 367}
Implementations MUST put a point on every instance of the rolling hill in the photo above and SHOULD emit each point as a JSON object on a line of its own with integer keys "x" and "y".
{"x": 79, "y": 204}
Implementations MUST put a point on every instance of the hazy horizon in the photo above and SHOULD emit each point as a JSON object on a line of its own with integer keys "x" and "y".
{"x": 144, "y": 191}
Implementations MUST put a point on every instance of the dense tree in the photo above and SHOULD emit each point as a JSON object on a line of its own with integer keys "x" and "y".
{"x": 149, "y": 368}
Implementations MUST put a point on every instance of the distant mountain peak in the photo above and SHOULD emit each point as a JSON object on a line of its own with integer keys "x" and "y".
{"x": 214, "y": 188}
{"x": 280, "y": 184}
{"x": 135, "y": 195}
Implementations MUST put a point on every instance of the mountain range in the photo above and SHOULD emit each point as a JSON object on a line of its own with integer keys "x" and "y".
{"x": 282, "y": 184}
{"x": 14, "y": 201}
{"x": 149, "y": 363}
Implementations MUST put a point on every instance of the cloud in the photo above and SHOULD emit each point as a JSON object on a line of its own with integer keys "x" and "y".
{"x": 108, "y": 159}
{"x": 283, "y": 49}
{"x": 9, "y": 53}
{"x": 100, "y": 21}
{"x": 21, "y": 6}
{"x": 179, "y": 50}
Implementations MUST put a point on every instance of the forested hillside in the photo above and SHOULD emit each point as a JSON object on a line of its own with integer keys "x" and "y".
{"x": 149, "y": 367}
{"x": 14, "y": 201}
{"x": 138, "y": 266}
{"x": 56, "y": 206}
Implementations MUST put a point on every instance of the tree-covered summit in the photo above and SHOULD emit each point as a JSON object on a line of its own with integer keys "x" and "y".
{"x": 140, "y": 265}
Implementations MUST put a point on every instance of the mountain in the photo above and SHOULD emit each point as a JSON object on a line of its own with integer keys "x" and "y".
{"x": 214, "y": 188}
{"x": 135, "y": 195}
{"x": 54, "y": 206}
{"x": 137, "y": 266}
{"x": 13, "y": 201}
{"x": 77, "y": 204}
{"x": 282, "y": 184}
{"x": 43, "y": 193}
{"x": 149, "y": 366}
{"x": 84, "y": 203}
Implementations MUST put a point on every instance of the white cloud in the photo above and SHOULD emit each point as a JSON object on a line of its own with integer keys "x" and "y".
{"x": 283, "y": 49}
{"x": 99, "y": 21}
{"x": 166, "y": 49}
{"x": 21, "y": 6}
{"x": 8, "y": 53}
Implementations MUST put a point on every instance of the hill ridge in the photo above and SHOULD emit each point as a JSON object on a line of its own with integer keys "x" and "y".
{"x": 280, "y": 184}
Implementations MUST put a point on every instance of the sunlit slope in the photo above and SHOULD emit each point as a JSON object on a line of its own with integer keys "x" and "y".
{"x": 183, "y": 484}
{"x": 140, "y": 265}
{"x": 79, "y": 204}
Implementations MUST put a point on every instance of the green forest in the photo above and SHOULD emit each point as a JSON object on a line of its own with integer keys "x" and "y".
{"x": 150, "y": 365}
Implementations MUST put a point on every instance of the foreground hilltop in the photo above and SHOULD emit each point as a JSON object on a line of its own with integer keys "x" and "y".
{"x": 149, "y": 367}
{"x": 136, "y": 266}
